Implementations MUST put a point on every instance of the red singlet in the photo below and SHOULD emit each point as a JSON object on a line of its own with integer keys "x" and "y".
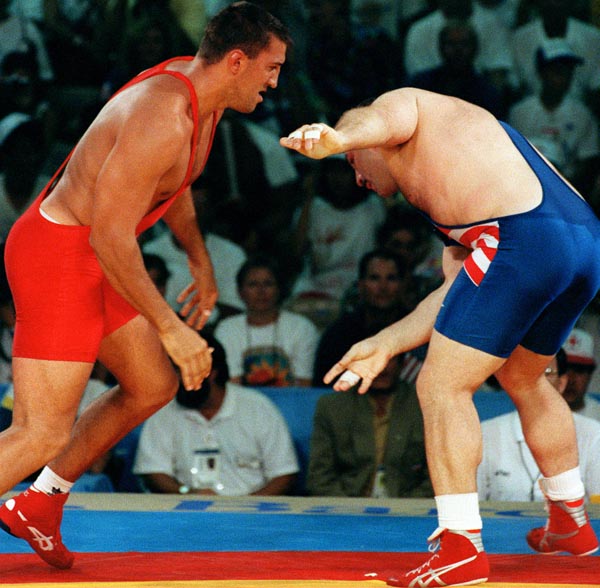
{"x": 65, "y": 305}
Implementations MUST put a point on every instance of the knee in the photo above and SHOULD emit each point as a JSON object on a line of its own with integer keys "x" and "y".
{"x": 508, "y": 378}
{"x": 158, "y": 391}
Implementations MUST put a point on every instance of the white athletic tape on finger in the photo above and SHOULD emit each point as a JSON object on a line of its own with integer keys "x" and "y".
{"x": 312, "y": 134}
{"x": 350, "y": 378}
{"x": 295, "y": 135}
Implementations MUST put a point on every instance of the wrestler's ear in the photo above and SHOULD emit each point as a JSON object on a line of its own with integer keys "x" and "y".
{"x": 235, "y": 60}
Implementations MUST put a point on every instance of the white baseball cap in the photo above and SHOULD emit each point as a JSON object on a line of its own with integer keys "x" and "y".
{"x": 579, "y": 348}
{"x": 557, "y": 49}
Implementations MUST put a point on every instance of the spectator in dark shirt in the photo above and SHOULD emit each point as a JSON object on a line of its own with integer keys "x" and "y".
{"x": 457, "y": 76}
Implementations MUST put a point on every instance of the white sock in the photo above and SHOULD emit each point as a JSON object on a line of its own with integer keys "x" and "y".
{"x": 565, "y": 486}
{"x": 51, "y": 483}
{"x": 459, "y": 512}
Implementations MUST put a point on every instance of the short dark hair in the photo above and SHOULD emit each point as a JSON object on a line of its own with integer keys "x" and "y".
{"x": 219, "y": 358}
{"x": 259, "y": 261}
{"x": 398, "y": 219}
{"x": 241, "y": 25}
{"x": 380, "y": 254}
{"x": 156, "y": 262}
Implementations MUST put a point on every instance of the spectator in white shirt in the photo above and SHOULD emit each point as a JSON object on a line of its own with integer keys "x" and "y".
{"x": 421, "y": 50}
{"x": 221, "y": 439}
{"x": 554, "y": 21}
{"x": 554, "y": 115}
{"x": 508, "y": 470}
{"x": 267, "y": 346}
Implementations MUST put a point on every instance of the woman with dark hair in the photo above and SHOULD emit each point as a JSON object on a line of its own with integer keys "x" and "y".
{"x": 267, "y": 346}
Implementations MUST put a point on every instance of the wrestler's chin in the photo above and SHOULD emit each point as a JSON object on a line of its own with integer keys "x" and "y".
{"x": 384, "y": 193}
{"x": 250, "y": 107}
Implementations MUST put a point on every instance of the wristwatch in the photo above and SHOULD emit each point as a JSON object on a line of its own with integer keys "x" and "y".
{"x": 183, "y": 489}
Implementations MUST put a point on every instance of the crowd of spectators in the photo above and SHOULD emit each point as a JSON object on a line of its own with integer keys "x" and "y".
{"x": 306, "y": 262}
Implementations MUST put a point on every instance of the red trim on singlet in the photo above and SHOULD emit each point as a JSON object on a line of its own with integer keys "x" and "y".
{"x": 155, "y": 214}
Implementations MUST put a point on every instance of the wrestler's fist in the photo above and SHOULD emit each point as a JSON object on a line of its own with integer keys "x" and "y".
{"x": 190, "y": 352}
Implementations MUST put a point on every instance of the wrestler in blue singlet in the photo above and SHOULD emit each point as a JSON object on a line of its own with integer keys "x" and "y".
{"x": 530, "y": 275}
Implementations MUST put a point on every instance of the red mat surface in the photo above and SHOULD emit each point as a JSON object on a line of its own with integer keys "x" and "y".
{"x": 350, "y": 566}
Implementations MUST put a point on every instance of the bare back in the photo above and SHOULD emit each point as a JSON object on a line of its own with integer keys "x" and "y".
{"x": 460, "y": 166}
{"x": 140, "y": 141}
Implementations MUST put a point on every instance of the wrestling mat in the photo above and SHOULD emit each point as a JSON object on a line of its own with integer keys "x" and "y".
{"x": 168, "y": 541}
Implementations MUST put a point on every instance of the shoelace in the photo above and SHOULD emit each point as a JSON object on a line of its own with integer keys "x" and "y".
{"x": 434, "y": 545}
{"x": 432, "y": 548}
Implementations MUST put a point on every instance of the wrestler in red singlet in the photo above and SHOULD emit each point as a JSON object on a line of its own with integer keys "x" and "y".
{"x": 64, "y": 303}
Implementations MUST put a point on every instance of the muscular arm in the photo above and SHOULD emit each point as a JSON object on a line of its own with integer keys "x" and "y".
{"x": 369, "y": 357}
{"x": 202, "y": 293}
{"x": 390, "y": 120}
{"x": 142, "y": 153}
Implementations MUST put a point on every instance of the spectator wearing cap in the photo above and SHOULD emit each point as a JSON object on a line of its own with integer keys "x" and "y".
{"x": 555, "y": 120}
{"x": 581, "y": 364}
{"x": 554, "y": 22}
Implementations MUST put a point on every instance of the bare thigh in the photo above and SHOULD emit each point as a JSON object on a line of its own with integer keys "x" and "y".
{"x": 48, "y": 392}
{"x": 135, "y": 356}
{"x": 451, "y": 366}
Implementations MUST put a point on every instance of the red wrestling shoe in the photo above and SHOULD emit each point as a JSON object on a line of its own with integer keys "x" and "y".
{"x": 567, "y": 529}
{"x": 36, "y": 517}
{"x": 460, "y": 561}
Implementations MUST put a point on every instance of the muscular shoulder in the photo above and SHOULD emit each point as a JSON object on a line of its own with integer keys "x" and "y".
{"x": 155, "y": 113}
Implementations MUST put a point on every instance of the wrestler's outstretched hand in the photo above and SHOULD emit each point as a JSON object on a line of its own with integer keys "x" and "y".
{"x": 363, "y": 362}
{"x": 200, "y": 296}
{"x": 316, "y": 141}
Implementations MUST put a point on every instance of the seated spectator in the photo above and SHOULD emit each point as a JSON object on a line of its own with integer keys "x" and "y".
{"x": 406, "y": 232}
{"x": 267, "y": 346}
{"x": 554, "y": 115}
{"x": 505, "y": 11}
{"x": 21, "y": 160}
{"x": 221, "y": 439}
{"x": 7, "y": 323}
{"x": 249, "y": 167}
{"x": 494, "y": 58}
{"x": 145, "y": 44}
{"x": 456, "y": 75}
{"x": 74, "y": 33}
{"x": 508, "y": 470}
{"x": 380, "y": 292}
{"x": 20, "y": 33}
{"x": 21, "y": 91}
{"x": 581, "y": 364}
{"x": 334, "y": 228}
{"x": 554, "y": 20}
{"x": 369, "y": 444}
